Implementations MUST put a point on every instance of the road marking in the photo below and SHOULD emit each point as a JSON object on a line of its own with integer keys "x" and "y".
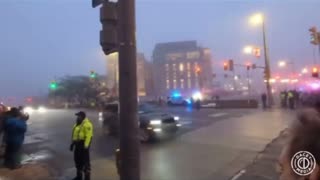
{"x": 217, "y": 114}
{"x": 237, "y": 176}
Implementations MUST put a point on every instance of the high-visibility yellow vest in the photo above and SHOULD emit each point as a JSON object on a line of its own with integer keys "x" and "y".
{"x": 83, "y": 132}
{"x": 290, "y": 95}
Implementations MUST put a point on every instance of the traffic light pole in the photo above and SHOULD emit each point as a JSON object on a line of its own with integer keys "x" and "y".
{"x": 129, "y": 142}
{"x": 267, "y": 65}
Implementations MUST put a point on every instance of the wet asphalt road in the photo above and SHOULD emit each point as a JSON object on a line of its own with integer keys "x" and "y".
{"x": 48, "y": 136}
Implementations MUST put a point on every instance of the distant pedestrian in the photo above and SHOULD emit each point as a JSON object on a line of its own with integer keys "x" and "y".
{"x": 198, "y": 104}
{"x": 291, "y": 100}
{"x": 15, "y": 129}
{"x": 264, "y": 100}
{"x": 283, "y": 99}
{"x": 82, "y": 133}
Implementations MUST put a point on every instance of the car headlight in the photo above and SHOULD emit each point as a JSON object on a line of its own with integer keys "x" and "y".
{"x": 28, "y": 110}
{"x": 176, "y": 118}
{"x": 42, "y": 109}
{"x": 155, "y": 122}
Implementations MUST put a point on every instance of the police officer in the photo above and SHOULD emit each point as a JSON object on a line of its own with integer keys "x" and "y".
{"x": 81, "y": 140}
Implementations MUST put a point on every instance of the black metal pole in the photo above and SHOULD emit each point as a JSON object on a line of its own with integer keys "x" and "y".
{"x": 129, "y": 143}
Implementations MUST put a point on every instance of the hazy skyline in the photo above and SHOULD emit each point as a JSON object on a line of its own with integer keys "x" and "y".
{"x": 42, "y": 39}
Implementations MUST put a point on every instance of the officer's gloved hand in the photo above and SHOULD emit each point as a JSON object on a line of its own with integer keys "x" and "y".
{"x": 71, "y": 146}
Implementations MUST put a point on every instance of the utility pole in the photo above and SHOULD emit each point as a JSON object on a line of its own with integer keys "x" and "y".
{"x": 118, "y": 34}
{"x": 267, "y": 66}
{"x": 129, "y": 142}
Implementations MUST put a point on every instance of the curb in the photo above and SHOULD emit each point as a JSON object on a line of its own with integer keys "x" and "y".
{"x": 240, "y": 173}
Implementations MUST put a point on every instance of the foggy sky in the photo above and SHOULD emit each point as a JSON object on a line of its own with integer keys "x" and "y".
{"x": 44, "y": 39}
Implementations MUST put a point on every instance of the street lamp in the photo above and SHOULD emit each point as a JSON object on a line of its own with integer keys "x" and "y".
{"x": 304, "y": 71}
{"x": 255, "y": 20}
{"x": 247, "y": 50}
{"x": 282, "y": 64}
{"x": 285, "y": 63}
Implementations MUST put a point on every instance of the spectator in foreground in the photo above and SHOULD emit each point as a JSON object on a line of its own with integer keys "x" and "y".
{"x": 15, "y": 128}
{"x": 303, "y": 136}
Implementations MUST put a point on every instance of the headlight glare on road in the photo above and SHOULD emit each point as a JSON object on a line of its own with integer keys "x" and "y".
{"x": 28, "y": 110}
{"x": 155, "y": 122}
{"x": 176, "y": 118}
{"x": 157, "y": 130}
{"x": 42, "y": 109}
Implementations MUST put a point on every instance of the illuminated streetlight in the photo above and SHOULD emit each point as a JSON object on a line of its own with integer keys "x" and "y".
{"x": 248, "y": 50}
{"x": 304, "y": 71}
{"x": 282, "y": 64}
{"x": 256, "y": 19}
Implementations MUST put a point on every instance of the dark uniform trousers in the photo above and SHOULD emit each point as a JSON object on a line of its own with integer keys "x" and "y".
{"x": 82, "y": 161}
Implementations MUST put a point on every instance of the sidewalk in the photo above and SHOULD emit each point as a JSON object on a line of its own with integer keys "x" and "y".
{"x": 264, "y": 166}
{"x": 27, "y": 172}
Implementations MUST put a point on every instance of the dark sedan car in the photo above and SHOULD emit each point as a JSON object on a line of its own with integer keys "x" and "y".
{"x": 153, "y": 124}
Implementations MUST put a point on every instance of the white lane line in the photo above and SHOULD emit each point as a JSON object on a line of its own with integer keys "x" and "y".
{"x": 217, "y": 114}
{"x": 237, "y": 176}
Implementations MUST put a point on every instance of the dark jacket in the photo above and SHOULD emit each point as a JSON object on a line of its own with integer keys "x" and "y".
{"x": 15, "y": 130}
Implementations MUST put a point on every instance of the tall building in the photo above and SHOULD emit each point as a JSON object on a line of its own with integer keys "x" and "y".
{"x": 141, "y": 61}
{"x": 142, "y": 73}
{"x": 181, "y": 66}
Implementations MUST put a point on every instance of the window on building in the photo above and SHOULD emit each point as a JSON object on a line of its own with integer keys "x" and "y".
{"x": 174, "y": 56}
{"x": 196, "y": 83}
{"x": 188, "y": 66}
{"x": 189, "y": 83}
{"x": 182, "y": 83}
{"x": 175, "y": 84}
{"x": 167, "y": 67}
{"x": 181, "y": 67}
{"x": 168, "y": 84}
{"x": 193, "y": 55}
{"x": 174, "y": 67}
{"x": 195, "y": 66}
{"x": 189, "y": 73}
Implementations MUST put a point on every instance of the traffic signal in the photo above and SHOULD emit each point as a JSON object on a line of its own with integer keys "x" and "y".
{"x": 315, "y": 39}
{"x": 93, "y": 74}
{"x": 256, "y": 52}
{"x": 231, "y": 65}
{"x": 225, "y": 66}
{"x": 315, "y": 72}
{"x": 109, "y": 20}
{"x": 53, "y": 85}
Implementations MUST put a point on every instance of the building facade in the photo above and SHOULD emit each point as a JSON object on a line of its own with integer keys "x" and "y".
{"x": 181, "y": 66}
{"x": 143, "y": 74}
